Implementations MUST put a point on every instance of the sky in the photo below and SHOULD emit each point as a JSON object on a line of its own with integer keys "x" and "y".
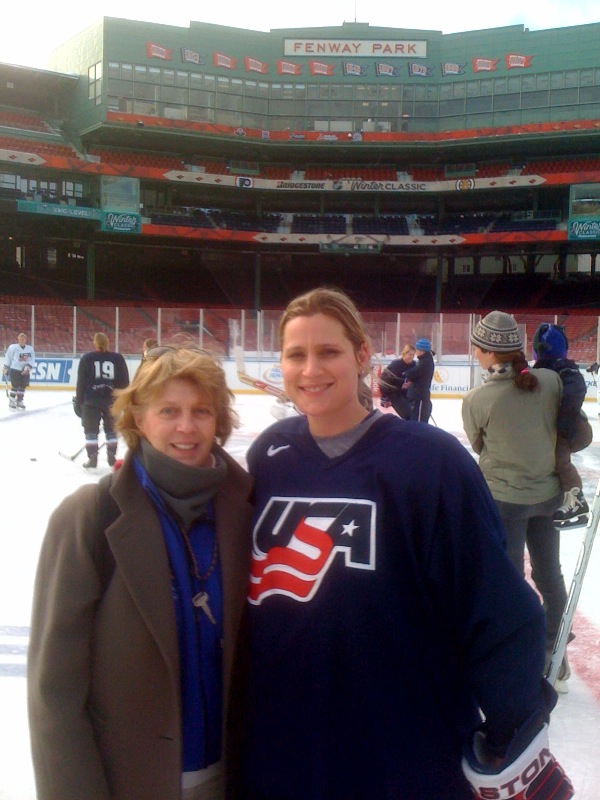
{"x": 30, "y": 32}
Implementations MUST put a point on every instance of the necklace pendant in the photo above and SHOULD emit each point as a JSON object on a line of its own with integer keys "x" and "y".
{"x": 201, "y": 601}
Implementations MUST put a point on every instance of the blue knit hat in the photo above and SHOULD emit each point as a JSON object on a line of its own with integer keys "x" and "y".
{"x": 423, "y": 344}
{"x": 549, "y": 341}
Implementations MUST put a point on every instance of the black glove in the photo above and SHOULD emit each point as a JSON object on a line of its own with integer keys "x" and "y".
{"x": 77, "y": 407}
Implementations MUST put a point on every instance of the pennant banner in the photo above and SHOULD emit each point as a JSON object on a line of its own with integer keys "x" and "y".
{"x": 191, "y": 57}
{"x": 419, "y": 70}
{"x": 221, "y": 60}
{"x": 386, "y": 70}
{"x": 157, "y": 51}
{"x": 354, "y": 69}
{"x": 484, "y": 64}
{"x": 515, "y": 61}
{"x": 254, "y": 65}
{"x": 287, "y": 68}
{"x": 318, "y": 68}
{"x": 449, "y": 68}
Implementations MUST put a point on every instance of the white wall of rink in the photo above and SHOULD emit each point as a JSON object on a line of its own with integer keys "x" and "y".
{"x": 449, "y": 380}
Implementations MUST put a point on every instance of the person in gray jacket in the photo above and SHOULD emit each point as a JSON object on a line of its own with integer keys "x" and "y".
{"x": 511, "y": 423}
{"x": 138, "y": 603}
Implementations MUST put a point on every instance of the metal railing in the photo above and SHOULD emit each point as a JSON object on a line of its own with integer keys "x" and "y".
{"x": 61, "y": 330}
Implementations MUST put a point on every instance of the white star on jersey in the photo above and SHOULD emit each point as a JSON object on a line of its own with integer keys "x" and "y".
{"x": 349, "y": 529}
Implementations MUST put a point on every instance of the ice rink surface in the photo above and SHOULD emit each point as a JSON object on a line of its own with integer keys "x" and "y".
{"x": 35, "y": 478}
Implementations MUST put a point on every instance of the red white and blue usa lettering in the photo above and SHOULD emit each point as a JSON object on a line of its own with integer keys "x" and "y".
{"x": 296, "y": 539}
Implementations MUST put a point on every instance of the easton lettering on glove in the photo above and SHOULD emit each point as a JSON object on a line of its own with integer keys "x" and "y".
{"x": 531, "y": 774}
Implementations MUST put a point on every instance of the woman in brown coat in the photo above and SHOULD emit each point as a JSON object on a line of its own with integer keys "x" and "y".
{"x": 138, "y": 601}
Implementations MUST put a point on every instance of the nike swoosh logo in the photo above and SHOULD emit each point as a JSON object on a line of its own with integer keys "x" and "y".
{"x": 272, "y": 451}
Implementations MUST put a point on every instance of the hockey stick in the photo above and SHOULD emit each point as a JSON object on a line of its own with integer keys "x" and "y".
{"x": 560, "y": 644}
{"x": 74, "y": 456}
{"x": 78, "y": 453}
{"x": 243, "y": 376}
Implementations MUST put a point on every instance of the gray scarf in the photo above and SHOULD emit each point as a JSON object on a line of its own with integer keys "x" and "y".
{"x": 186, "y": 490}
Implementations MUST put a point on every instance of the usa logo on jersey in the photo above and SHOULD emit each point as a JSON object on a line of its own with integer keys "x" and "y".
{"x": 296, "y": 540}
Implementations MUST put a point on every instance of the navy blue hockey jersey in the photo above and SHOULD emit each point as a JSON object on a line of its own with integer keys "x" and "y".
{"x": 383, "y": 614}
{"x": 98, "y": 374}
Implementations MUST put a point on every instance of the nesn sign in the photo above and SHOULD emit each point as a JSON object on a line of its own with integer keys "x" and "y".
{"x": 52, "y": 370}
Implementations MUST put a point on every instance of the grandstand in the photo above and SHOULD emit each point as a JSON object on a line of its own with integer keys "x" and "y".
{"x": 210, "y": 167}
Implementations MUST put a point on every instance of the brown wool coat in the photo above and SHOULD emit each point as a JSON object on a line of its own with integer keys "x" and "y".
{"x": 103, "y": 665}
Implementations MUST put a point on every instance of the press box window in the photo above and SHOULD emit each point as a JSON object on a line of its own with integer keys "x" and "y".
{"x": 95, "y": 83}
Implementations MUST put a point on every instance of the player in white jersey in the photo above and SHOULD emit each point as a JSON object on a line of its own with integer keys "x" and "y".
{"x": 19, "y": 360}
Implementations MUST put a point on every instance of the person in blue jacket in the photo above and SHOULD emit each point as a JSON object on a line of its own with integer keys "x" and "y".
{"x": 418, "y": 382}
{"x": 388, "y": 631}
{"x": 574, "y": 432}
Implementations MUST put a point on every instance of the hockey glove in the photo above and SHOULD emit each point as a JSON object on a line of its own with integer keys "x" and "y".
{"x": 528, "y": 771}
{"x": 77, "y": 407}
{"x": 5, "y": 372}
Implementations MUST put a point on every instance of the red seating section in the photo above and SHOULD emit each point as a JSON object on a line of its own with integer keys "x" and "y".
{"x": 145, "y": 159}
{"x": 24, "y": 121}
{"x": 35, "y": 146}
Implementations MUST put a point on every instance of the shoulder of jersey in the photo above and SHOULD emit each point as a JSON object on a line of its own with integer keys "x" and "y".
{"x": 287, "y": 425}
{"x": 278, "y": 434}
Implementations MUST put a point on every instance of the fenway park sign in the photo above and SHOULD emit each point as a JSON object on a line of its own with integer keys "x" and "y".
{"x": 357, "y": 48}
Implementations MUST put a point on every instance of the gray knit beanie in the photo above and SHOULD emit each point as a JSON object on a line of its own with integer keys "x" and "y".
{"x": 498, "y": 333}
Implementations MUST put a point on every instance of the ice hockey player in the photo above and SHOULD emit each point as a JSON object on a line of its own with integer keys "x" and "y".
{"x": 385, "y": 621}
{"x": 18, "y": 363}
{"x": 418, "y": 380}
{"x": 574, "y": 432}
{"x": 391, "y": 383}
{"x": 99, "y": 372}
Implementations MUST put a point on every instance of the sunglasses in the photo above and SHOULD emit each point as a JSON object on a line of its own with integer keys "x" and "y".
{"x": 160, "y": 350}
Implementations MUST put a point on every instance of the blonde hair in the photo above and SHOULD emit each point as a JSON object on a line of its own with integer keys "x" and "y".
{"x": 335, "y": 304}
{"x": 101, "y": 341}
{"x": 408, "y": 348}
{"x": 151, "y": 377}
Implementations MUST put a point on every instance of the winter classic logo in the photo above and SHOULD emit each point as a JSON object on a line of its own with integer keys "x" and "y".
{"x": 120, "y": 222}
{"x": 297, "y": 539}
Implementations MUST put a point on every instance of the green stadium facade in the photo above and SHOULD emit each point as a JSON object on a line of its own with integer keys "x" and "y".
{"x": 232, "y": 167}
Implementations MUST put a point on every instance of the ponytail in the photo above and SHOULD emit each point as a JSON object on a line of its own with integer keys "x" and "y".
{"x": 524, "y": 379}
